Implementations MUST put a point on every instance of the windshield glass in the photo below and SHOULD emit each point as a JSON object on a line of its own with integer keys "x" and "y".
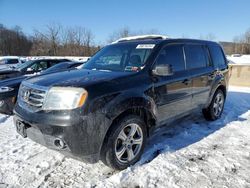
{"x": 123, "y": 57}
{"x": 24, "y": 66}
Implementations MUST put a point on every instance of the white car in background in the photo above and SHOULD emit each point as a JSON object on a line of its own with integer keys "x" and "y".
{"x": 9, "y": 61}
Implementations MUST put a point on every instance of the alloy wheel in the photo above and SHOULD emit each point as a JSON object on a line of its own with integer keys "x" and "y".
{"x": 128, "y": 143}
{"x": 218, "y": 104}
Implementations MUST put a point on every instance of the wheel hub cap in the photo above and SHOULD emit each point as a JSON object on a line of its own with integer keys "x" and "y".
{"x": 218, "y": 104}
{"x": 128, "y": 143}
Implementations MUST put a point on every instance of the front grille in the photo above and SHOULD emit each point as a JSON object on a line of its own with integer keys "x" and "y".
{"x": 31, "y": 96}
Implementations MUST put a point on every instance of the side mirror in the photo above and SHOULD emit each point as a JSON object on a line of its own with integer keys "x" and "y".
{"x": 163, "y": 70}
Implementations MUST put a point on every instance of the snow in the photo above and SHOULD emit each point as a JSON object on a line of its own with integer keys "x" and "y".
{"x": 190, "y": 153}
{"x": 239, "y": 59}
{"x": 73, "y": 58}
{"x": 140, "y": 37}
{"x": 9, "y": 57}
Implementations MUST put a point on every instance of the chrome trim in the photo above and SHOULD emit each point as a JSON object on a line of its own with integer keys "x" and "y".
{"x": 34, "y": 86}
{"x": 35, "y": 99}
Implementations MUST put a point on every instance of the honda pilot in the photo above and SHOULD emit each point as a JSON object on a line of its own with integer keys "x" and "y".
{"x": 107, "y": 110}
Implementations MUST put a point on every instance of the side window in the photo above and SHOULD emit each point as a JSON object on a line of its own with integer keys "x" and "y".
{"x": 217, "y": 56}
{"x": 172, "y": 55}
{"x": 39, "y": 66}
{"x": 196, "y": 56}
{"x": 12, "y": 61}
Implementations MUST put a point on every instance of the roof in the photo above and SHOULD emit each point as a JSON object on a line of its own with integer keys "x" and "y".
{"x": 155, "y": 39}
{"x": 140, "y": 37}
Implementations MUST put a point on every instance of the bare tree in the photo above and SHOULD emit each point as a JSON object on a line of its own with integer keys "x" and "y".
{"x": 13, "y": 41}
{"x": 77, "y": 41}
{"x": 209, "y": 36}
{"x": 242, "y": 43}
{"x": 126, "y": 32}
{"x": 121, "y": 33}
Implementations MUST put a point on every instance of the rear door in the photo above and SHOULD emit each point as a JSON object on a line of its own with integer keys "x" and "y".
{"x": 201, "y": 72}
{"x": 173, "y": 93}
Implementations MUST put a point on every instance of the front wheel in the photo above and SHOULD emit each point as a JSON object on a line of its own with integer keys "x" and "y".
{"x": 124, "y": 143}
{"x": 215, "y": 109}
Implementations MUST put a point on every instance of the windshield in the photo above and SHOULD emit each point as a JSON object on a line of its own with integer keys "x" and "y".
{"x": 24, "y": 66}
{"x": 123, "y": 57}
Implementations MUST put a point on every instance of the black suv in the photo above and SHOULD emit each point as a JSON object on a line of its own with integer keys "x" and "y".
{"x": 107, "y": 110}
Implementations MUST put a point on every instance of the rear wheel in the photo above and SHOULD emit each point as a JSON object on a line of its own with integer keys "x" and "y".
{"x": 216, "y": 106}
{"x": 124, "y": 143}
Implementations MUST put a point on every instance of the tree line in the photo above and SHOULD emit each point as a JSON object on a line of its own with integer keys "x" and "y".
{"x": 242, "y": 43}
{"x": 57, "y": 40}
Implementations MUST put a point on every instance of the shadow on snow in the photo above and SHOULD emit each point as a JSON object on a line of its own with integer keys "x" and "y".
{"x": 194, "y": 128}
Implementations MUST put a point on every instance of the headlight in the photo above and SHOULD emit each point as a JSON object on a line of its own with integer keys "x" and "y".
{"x": 64, "y": 98}
{"x": 5, "y": 89}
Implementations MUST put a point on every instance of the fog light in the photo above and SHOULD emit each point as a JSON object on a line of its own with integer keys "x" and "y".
{"x": 59, "y": 143}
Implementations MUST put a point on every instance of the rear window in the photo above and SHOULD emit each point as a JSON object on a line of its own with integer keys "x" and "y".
{"x": 196, "y": 56}
{"x": 217, "y": 56}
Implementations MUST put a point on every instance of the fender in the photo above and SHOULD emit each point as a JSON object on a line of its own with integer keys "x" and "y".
{"x": 128, "y": 101}
{"x": 124, "y": 102}
{"x": 217, "y": 82}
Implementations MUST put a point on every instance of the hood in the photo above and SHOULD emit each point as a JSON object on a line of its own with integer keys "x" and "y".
{"x": 75, "y": 78}
{"x": 9, "y": 73}
{"x": 12, "y": 81}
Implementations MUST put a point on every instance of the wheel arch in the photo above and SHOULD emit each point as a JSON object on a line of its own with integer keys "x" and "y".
{"x": 147, "y": 116}
{"x": 219, "y": 84}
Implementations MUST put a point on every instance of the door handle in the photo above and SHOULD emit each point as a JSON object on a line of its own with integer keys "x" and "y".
{"x": 186, "y": 81}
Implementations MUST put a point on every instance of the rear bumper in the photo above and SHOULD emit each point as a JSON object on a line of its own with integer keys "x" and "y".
{"x": 68, "y": 132}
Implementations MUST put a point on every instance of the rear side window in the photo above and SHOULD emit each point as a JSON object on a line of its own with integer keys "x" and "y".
{"x": 217, "y": 56}
{"x": 172, "y": 55}
{"x": 196, "y": 56}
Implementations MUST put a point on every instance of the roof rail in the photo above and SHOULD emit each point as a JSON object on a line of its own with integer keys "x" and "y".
{"x": 140, "y": 37}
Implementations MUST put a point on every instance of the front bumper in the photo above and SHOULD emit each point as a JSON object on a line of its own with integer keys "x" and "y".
{"x": 81, "y": 136}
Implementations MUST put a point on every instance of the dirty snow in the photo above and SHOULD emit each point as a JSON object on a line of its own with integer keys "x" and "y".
{"x": 191, "y": 153}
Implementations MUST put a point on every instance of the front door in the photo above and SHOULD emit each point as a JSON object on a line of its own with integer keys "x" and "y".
{"x": 172, "y": 93}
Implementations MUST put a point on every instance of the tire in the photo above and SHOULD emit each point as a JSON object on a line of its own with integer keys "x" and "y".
{"x": 119, "y": 146}
{"x": 215, "y": 109}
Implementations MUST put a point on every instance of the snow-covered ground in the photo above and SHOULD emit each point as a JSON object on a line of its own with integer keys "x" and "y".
{"x": 241, "y": 59}
{"x": 191, "y": 153}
